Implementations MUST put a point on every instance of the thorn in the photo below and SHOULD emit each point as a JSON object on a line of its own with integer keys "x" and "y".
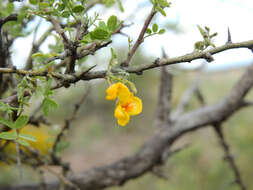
{"x": 208, "y": 57}
{"x": 229, "y": 37}
{"x": 164, "y": 55}
{"x": 157, "y": 61}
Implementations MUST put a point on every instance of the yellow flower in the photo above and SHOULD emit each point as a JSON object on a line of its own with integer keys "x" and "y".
{"x": 128, "y": 104}
{"x": 44, "y": 142}
{"x": 117, "y": 90}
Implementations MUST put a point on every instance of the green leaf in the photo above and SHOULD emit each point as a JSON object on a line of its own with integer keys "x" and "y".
{"x": 44, "y": 5}
{"x": 10, "y": 8}
{"x": 120, "y": 6}
{"x": 112, "y": 23}
{"x": 109, "y": 3}
{"x": 6, "y": 122}
{"x": 28, "y": 137}
{"x": 21, "y": 122}
{"x": 61, "y": 7}
{"x": 100, "y": 34}
{"x": 48, "y": 91}
{"x": 23, "y": 142}
{"x": 162, "y": 31}
{"x": 161, "y": 10}
{"x": 149, "y": 31}
{"x": 102, "y": 24}
{"x": 33, "y": 2}
{"x": 65, "y": 14}
{"x": 47, "y": 105}
{"x": 8, "y": 135}
{"x": 163, "y": 3}
{"x": 78, "y": 9}
{"x": 37, "y": 55}
{"x": 155, "y": 27}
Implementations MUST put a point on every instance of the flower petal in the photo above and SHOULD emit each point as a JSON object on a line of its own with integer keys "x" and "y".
{"x": 135, "y": 106}
{"x": 123, "y": 92}
{"x": 112, "y": 92}
{"x": 122, "y": 116}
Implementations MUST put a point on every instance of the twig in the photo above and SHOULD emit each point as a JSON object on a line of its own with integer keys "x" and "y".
{"x": 67, "y": 123}
{"x": 19, "y": 165}
{"x": 61, "y": 178}
{"x": 229, "y": 157}
{"x": 67, "y": 43}
{"x": 140, "y": 38}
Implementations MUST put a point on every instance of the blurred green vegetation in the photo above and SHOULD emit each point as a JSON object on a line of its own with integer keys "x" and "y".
{"x": 96, "y": 139}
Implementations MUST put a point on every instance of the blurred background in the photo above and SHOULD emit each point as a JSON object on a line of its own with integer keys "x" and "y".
{"x": 95, "y": 139}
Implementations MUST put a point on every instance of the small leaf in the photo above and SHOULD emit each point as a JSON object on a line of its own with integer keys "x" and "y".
{"x": 28, "y": 137}
{"x": 33, "y": 2}
{"x": 21, "y": 122}
{"x": 163, "y": 3}
{"x": 155, "y": 27}
{"x": 109, "y": 3}
{"x": 10, "y": 7}
{"x": 48, "y": 104}
{"x": 102, "y": 24}
{"x": 149, "y": 31}
{"x": 6, "y": 122}
{"x": 37, "y": 55}
{"x": 78, "y": 9}
{"x": 61, "y": 7}
{"x": 23, "y": 142}
{"x": 100, "y": 34}
{"x": 162, "y": 31}
{"x": 8, "y": 135}
{"x": 44, "y": 5}
{"x": 161, "y": 10}
{"x": 120, "y": 6}
{"x": 65, "y": 14}
{"x": 112, "y": 23}
{"x": 48, "y": 91}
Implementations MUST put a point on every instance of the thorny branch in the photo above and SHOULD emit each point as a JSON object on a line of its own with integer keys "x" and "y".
{"x": 150, "y": 154}
{"x": 228, "y": 156}
{"x": 225, "y": 146}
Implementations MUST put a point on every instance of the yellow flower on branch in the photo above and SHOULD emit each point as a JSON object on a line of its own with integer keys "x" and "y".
{"x": 128, "y": 104}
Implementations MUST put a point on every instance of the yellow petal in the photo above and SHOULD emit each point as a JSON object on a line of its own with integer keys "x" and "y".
{"x": 121, "y": 115}
{"x": 123, "y": 92}
{"x": 135, "y": 106}
{"x": 112, "y": 92}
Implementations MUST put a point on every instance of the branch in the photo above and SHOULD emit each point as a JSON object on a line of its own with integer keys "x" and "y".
{"x": 12, "y": 17}
{"x": 67, "y": 43}
{"x": 228, "y": 156}
{"x": 151, "y": 152}
{"x": 140, "y": 38}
